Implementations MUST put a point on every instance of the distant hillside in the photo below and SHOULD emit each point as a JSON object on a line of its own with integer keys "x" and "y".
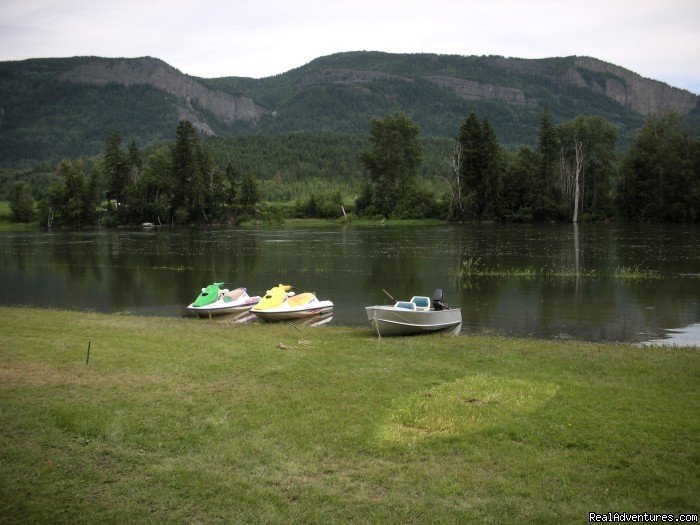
{"x": 51, "y": 108}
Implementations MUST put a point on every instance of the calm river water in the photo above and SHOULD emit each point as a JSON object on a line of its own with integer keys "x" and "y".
{"x": 572, "y": 285}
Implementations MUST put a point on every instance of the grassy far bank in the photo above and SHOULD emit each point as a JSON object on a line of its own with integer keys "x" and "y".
{"x": 199, "y": 421}
{"x": 351, "y": 221}
{"x": 6, "y": 223}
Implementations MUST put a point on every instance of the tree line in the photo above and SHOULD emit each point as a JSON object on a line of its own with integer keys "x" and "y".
{"x": 175, "y": 184}
{"x": 571, "y": 175}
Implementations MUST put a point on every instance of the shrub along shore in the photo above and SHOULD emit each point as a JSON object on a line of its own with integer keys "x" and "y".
{"x": 186, "y": 420}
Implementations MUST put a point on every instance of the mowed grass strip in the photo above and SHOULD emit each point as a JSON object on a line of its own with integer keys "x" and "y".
{"x": 184, "y": 420}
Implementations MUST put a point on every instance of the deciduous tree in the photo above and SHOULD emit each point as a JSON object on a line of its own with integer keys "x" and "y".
{"x": 587, "y": 146}
{"x": 659, "y": 175}
{"x": 22, "y": 203}
{"x": 392, "y": 162}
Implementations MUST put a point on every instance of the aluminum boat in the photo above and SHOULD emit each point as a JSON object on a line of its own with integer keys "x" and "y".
{"x": 420, "y": 315}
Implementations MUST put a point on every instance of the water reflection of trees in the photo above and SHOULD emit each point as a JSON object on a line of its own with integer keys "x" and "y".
{"x": 558, "y": 296}
{"x": 397, "y": 262}
{"x": 78, "y": 256}
{"x": 119, "y": 270}
{"x": 170, "y": 267}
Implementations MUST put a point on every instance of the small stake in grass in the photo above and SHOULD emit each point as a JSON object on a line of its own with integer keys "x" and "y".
{"x": 87, "y": 359}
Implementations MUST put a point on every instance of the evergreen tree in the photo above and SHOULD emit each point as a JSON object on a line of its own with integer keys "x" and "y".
{"x": 481, "y": 169}
{"x": 521, "y": 193}
{"x": 233, "y": 181}
{"x": 134, "y": 159}
{"x": 184, "y": 169}
{"x": 249, "y": 195}
{"x": 489, "y": 191}
{"x": 470, "y": 141}
{"x": 75, "y": 194}
{"x": 548, "y": 151}
{"x": 116, "y": 168}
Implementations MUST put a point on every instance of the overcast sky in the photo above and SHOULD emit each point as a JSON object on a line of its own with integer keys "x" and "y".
{"x": 257, "y": 38}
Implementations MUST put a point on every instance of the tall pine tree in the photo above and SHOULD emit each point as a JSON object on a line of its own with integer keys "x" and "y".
{"x": 481, "y": 169}
{"x": 185, "y": 171}
{"x": 470, "y": 168}
{"x": 116, "y": 169}
{"x": 548, "y": 151}
{"x": 491, "y": 175}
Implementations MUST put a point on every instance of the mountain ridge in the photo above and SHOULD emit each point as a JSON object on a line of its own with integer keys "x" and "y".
{"x": 79, "y": 100}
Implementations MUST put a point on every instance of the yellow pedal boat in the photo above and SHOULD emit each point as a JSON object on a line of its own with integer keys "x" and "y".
{"x": 281, "y": 304}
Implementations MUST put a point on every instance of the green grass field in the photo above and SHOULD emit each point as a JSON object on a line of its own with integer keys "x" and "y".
{"x": 194, "y": 421}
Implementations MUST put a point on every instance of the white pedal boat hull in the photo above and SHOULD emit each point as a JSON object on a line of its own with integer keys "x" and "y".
{"x": 286, "y": 313}
{"x": 220, "y": 308}
{"x": 228, "y": 302}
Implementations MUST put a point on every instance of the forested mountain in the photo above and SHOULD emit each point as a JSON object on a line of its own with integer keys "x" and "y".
{"x": 54, "y": 108}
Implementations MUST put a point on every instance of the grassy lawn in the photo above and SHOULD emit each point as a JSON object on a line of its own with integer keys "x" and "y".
{"x": 184, "y": 420}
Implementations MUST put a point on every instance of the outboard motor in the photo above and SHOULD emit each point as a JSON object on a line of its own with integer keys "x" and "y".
{"x": 438, "y": 299}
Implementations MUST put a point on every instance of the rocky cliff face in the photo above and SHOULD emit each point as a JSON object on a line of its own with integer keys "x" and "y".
{"x": 470, "y": 90}
{"x": 466, "y": 89}
{"x": 642, "y": 95}
{"x": 632, "y": 91}
{"x": 191, "y": 94}
{"x": 645, "y": 96}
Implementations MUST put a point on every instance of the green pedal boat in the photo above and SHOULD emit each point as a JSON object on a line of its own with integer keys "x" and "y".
{"x": 217, "y": 300}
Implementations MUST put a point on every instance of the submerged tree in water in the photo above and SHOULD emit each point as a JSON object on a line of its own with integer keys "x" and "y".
{"x": 586, "y": 168}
